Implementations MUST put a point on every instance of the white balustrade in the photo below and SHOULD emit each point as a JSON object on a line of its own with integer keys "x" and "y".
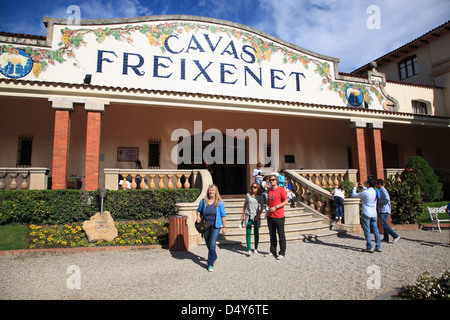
{"x": 150, "y": 179}
{"x": 23, "y": 178}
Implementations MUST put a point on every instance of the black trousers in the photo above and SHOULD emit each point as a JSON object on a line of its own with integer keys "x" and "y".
{"x": 277, "y": 225}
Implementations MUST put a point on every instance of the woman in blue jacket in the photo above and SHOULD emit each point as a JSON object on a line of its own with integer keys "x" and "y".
{"x": 213, "y": 210}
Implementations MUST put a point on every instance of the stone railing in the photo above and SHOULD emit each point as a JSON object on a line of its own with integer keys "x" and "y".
{"x": 313, "y": 196}
{"x": 151, "y": 179}
{"x": 392, "y": 172}
{"x": 328, "y": 178}
{"x": 29, "y": 178}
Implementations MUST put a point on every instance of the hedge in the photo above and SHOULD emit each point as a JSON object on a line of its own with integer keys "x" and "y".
{"x": 67, "y": 206}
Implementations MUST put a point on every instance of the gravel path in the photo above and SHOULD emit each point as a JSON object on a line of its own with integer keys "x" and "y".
{"x": 327, "y": 268}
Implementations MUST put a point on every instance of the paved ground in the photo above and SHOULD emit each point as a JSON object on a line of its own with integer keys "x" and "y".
{"x": 327, "y": 268}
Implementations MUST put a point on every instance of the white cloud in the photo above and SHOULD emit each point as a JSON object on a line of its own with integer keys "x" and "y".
{"x": 339, "y": 29}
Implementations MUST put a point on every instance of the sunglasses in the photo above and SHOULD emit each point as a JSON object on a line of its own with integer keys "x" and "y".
{"x": 273, "y": 180}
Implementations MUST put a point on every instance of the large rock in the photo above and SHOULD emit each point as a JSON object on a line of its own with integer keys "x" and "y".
{"x": 100, "y": 227}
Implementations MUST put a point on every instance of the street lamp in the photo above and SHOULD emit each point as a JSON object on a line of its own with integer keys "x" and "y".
{"x": 103, "y": 193}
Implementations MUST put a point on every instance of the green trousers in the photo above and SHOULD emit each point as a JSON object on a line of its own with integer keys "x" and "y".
{"x": 249, "y": 234}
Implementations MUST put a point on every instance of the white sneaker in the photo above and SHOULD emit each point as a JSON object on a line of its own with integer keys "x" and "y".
{"x": 249, "y": 252}
{"x": 396, "y": 239}
{"x": 255, "y": 251}
{"x": 280, "y": 257}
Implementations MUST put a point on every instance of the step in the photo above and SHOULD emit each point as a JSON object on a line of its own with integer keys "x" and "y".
{"x": 306, "y": 235}
{"x": 300, "y": 225}
{"x": 292, "y": 232}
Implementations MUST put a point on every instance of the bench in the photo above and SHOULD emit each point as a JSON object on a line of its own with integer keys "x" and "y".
{"x": 434, "y": 212}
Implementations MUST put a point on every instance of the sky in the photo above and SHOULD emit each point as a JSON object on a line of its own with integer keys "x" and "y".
{"x": 355, "y": 31}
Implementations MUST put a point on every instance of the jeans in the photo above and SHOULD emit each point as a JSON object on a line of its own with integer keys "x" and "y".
{"x": 276, "y": 225}
{"x": 367, "y": 224}
{"x": 387, "y": 229}
{"x": 211, "y": 235}
{"x": 339, "y": 202}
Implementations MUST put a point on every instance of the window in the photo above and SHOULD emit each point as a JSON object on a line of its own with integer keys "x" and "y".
{"x": 153, "y": 153}
{"x": 24, "y": 148}
{"x": 408, "y": 67}
{"x": 289, "y": 158}
{"x": 419, "y": 107}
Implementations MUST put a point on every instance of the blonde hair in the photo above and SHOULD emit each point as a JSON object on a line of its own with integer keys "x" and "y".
{"x": 218, "y": 197}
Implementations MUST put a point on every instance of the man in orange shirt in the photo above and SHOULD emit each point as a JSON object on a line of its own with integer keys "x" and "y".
{"x": 277, "y": 199}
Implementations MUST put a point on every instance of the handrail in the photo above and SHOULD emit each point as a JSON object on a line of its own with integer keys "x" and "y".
{"x": 310, "y": 193}
{"x": 150, "y": 178}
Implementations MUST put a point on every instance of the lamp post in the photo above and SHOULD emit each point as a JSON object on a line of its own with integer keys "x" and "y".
{"x": 103, "y": 193}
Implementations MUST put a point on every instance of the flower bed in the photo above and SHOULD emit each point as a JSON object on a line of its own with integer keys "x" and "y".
{"x": 72, "y": 235}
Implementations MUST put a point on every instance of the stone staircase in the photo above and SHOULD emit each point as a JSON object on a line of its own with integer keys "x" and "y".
{"x": 300, "y": 224}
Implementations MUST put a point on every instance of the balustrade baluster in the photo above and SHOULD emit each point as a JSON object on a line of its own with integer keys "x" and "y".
{"x": 319, "y": 203}
{"x": 13, "y": 185}
{"x": 179, "y": 181}
{"x": 143, "y": 185}
{"x": 152, "y": 183}
{"x": 328, "y": 206}
{"x": 186, "y": 183}
{"x": 336, "y": 182}
{"x": 161, "y": 181}
{"x": 170, "y": 184}
{"x": 133, "y": 181}
{"x": 24, "y": 184}
{"x": 2, "y": 180}
{"x": 124, "y": 181}
{"x": 324, "y": 184}
{"x": 317, "y": 182}
{"x": 330, "y": 180}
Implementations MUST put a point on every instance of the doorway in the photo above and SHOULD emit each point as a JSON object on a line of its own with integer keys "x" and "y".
{"x": 230, "y": 176}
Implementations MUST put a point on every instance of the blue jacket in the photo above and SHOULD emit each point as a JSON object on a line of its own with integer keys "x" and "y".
{"x": 220, "y": 212}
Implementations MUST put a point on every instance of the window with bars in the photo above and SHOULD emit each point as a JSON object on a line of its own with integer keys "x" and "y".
{"x": 408, "y": 67}
{"x": 24, "y": 149}
{"x": 154, "y": 153}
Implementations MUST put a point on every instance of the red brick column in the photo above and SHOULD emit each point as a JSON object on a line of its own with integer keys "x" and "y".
{"x": 61, "y": 139}
{"x": 92, "y": 150}
{"x": 93, "y": 133}
{"x": 359, "y": 149}
{"x": 375, "y": 150}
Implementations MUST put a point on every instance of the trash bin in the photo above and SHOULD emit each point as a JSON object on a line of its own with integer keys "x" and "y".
{"x": 178, "y": 233}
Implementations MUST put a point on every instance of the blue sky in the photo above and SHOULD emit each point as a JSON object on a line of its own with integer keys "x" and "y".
{"x": 337, "y": 28}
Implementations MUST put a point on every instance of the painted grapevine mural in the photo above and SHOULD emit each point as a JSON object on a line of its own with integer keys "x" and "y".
{"x": 73, "y": 39}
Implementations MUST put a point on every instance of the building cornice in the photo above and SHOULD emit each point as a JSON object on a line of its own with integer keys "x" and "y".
{"x": 120, "y": 95}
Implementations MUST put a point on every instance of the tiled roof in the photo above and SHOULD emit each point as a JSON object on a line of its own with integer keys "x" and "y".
{"x": 210, "y": 96}
{"x": 404, "y": 49}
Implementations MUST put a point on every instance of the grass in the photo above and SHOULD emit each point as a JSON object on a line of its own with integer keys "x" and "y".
{"x": 13, "y": 237}
{"x": 424, "y": 218}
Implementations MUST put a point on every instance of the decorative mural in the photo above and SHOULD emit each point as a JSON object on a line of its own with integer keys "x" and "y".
{"x": 16, "y": 62}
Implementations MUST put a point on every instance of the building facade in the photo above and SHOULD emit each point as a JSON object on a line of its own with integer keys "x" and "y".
{"x": 183, "y": 92}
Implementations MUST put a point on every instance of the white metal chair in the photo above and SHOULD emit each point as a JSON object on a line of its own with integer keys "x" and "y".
{"x": 434, "y": 215}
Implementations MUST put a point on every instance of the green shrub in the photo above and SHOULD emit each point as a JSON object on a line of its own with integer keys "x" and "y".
{"x": 406, "y": 200}
{"x": 67, "y": 206}
{"x": 426, "y": 178}
{"x": 429, "y": 287}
